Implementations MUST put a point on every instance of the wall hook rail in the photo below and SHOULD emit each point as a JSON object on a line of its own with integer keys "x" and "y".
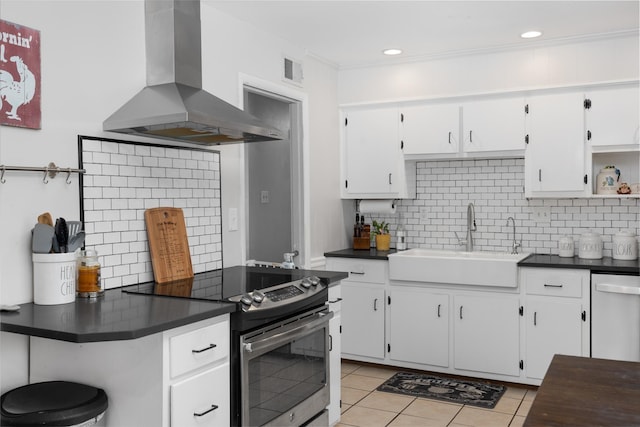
{"x": 50, "y": 171}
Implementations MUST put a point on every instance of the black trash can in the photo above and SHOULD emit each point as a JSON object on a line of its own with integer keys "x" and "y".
{"x": 54, "y": 403}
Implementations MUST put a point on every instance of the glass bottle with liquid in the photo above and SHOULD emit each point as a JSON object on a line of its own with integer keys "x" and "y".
{"x": 88, "y": 282}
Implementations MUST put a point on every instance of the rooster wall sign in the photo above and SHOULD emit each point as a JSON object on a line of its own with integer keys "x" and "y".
{"x": 19, "y": 76}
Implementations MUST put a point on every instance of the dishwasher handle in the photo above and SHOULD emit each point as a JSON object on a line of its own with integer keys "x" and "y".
{"x": 617, "y": 289}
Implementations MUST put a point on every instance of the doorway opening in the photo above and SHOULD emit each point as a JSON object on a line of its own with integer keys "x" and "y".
{"x": 274, "y": 177}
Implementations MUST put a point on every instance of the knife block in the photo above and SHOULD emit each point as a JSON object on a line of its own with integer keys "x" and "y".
{"x": 364, "y": 241}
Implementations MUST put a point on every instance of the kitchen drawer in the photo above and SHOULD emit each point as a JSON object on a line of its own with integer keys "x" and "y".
{"x": 360, "y": 270}
{"x": 206, "y": 394}
{"x": 555, "y": 282}
{"x": 197, "y": 348}
{"x": 335, "y": 298}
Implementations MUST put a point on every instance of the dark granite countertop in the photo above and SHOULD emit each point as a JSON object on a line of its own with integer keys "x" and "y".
{"x": 372, "y": 253}
{"x": 604, "y": 265}
{"x": 119, "y": 315}
{"x": 114, "y": 316}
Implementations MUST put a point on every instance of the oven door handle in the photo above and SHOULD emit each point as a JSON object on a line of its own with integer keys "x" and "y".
{"x": 286, "y": 333}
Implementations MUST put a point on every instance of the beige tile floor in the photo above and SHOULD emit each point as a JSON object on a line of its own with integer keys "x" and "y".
{"x": 363, "y": 406}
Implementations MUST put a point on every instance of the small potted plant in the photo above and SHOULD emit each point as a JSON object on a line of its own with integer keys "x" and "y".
{"x": 383, "y": 238}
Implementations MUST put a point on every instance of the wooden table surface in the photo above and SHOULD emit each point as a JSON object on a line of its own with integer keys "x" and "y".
{"x": 580, "y": 391}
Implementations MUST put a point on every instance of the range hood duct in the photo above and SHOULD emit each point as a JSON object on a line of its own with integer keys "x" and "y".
{"x": 173, "y": 105}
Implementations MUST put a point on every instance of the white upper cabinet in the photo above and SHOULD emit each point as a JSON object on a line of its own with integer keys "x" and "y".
{"x": 555, "y": 153}
{"x": 494, "y": 125}
{"x": 430, "y": 128}
{"x": 613, "y": 118}
{"x": 372, "y": 162}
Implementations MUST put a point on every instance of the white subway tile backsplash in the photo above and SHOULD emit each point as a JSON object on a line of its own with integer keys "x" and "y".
{"x": 125, "y": 179}
{"x": 496, "y": 187}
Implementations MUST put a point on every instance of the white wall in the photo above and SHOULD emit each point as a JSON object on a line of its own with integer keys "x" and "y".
{"x": 568, "y": 64}
{"x": 92, "y": 62}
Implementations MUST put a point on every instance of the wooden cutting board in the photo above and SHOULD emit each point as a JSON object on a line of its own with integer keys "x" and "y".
{"x": 168, "y": 244}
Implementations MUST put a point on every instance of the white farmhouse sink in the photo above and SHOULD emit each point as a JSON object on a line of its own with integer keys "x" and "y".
{"x": 456, "y": 267}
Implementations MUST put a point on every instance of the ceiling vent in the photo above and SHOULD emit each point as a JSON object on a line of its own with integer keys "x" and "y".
{"x": 292, "y": 71}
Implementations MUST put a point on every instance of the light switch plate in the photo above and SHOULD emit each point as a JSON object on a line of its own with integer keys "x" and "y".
{"x": 542, "y": 214}
{"x": 264, "y": 196}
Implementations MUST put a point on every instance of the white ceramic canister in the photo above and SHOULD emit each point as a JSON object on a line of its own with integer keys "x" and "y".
{"x": 590, "y": 246}
{"x": 566, "y": 247}
{"x": 625, "y": 245}
{"x": 54, "y": 278}
{"x": 607, "y": 180}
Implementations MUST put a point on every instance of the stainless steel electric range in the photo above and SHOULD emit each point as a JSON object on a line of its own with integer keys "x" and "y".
{"x": 279, "y": 340}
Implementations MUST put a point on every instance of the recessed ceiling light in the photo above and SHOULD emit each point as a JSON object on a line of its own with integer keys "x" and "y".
{"x": 530, "y": 34}
{"x": 393, "y": 51}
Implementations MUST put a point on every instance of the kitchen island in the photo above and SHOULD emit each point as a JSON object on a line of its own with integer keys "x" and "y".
{"x": 161, "y": 357}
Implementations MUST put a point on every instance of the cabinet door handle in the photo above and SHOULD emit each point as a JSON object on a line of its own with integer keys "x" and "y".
{"x": 535, "y": 318}
{"x": 201, "y": 414}
{"x": 389, "y": 179}
{"x": 471, "y": 136}
{"x": 335, "y": 301}
{"x": 357, "y": 272}
{"x": 449, "y": 137}
{"x": 460, "y": 312}
{"x": 330, "y": 342}
{"x": 439, "y": 309}
{"x": 375, "y": 304}
{"x": 539, "y": 175}
{"x": 550, "y": 285}
{"x": 211, "y": 346}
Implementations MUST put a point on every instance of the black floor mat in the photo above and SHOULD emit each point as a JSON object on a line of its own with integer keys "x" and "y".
{"x": 484, "y": 395}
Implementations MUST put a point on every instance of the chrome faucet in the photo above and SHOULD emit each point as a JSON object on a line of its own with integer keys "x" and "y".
{"x": 471, "y": 226}
{"x": 515, "y": 245}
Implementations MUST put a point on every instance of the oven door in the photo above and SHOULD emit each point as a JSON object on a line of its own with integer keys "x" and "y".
{"x": 285, "y": 371}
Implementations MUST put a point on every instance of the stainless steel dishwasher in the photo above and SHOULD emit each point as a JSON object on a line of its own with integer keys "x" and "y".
{"x": 615, "y": 317}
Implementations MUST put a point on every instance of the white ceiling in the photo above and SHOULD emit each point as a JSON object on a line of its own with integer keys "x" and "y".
{"x": 353, "y": 33}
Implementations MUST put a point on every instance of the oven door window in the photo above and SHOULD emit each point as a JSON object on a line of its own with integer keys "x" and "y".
{"x": 286, "y": 376}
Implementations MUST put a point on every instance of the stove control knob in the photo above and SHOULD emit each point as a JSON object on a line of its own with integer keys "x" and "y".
{"x": 258, "y": 297}
{"x": 246, "y": 299}
{"x": 306, "y": 283}
{"x": 315, "y": 280}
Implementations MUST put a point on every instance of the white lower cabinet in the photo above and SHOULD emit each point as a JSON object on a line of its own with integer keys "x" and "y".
{"x": 486, "y": 333}
{"x": 180, "y": 377}
{"x": 363, "y": 307}
{"x": 419, "y": 327}
{"x": 335, "y": 305}
{"x": 556, "y": 308}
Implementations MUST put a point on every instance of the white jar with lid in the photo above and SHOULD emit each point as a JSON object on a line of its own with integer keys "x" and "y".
{"x": 625, "y": 245}
{"x": 590, "y": 246}
{"x": 566, "y": 247}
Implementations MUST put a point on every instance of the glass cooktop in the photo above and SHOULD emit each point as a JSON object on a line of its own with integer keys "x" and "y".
{"x": 220, "y": 285}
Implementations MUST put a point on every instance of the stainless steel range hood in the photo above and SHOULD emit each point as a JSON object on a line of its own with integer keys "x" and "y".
{"x": 173, "y": 105}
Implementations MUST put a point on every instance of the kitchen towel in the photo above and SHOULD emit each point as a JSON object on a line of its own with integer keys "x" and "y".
{"x": 377, "y": 206}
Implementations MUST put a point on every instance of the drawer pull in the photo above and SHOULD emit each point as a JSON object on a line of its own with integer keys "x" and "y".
{"x": 211, "y": 346}
{"x": 357, "y": 272}
{"x": 335, "y": 301}
{"x": 548, "y": 285}
{"x": 201, "y": 414}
